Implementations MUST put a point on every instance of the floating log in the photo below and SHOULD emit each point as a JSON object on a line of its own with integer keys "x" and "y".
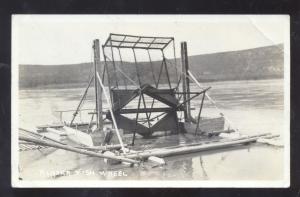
{"x": 77, "y": 150}
{"x": 269, "y": 141}
{"x": 271, "y": 136}
{"x": 103, "y": 148}
{"x": 216, "y": 133}
{"x": 165, "y": 152}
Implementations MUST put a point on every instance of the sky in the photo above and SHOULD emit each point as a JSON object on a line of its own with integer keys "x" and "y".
{"x": 67, "y": 39}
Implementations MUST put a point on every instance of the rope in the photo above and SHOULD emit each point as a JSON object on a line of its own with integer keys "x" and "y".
{"x": 81, "y": 101}
{"x": 136, "y": 67}
{"x": 114, "y": 65}
{"x": 112, "y": 114}
{"x": 151, "y": 65}
{"x": 166, "y": 68}
{"x": 212, "y": 101}
{"x": 122, "y": 66}
{"x": 178, "y": 80}
{"x": 125, "y": 75}
{"x": 191, "y": 76}
{"x": 118, "y": 68}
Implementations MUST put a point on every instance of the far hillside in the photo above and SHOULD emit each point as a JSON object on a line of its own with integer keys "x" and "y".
{"x": 258, "y": 63}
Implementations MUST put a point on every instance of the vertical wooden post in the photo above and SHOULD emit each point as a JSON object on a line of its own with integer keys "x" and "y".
{"x": 199, "y": 114}
{"x": 98, "y": 91}
{"x": 185, "y": 82}
{"x": 107, "y": 72}
{"x": 114, "y": 65}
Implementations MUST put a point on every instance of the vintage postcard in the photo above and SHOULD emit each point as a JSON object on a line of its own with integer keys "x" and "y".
{"x": 150, "y": 101}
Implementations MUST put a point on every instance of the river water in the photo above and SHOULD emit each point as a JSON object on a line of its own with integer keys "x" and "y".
{"x": 253, "y": 107}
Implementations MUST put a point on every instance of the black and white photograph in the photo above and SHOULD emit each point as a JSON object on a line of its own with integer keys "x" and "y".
{"x": 150, "y": 101}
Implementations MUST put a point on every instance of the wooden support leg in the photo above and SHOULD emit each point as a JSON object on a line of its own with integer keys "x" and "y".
{"x": 136, "y": 120}
{"x": 198, "y": 121}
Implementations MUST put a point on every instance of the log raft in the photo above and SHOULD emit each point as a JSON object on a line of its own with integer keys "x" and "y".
{"x": 135, "y": 157}
{"x": 166, "y": 152}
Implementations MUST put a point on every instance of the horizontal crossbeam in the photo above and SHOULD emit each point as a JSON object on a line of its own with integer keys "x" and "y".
{"x": 137, "y": 42}
{"x": 147, "y": 110}
{"x": 132, "y": 47}
{"x": 137, "y": 36}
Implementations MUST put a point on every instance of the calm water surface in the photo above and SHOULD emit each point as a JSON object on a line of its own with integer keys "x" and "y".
{"x": 252, "y": 106}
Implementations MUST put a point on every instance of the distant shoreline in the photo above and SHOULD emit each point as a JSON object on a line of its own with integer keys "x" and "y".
{"x": 252, "y": 64}
{"x": 83, "y": 85}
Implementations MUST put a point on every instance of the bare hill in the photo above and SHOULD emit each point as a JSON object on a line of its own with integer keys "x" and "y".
{"x": 258, "y": 63}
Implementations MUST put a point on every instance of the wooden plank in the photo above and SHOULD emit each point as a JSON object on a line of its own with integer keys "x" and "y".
{"x": 128, "y": 125}
{"x": 122, "y": 97}
{"x": 79, "y": 136}
{"x": 55, "y": 131}
{"x": 168, "y": 99}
